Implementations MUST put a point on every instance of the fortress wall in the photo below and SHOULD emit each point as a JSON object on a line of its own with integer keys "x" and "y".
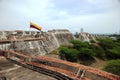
{"x": 51, "y": 41}
{"x": 62, "y": 36}
{"x": 83, "y": 36}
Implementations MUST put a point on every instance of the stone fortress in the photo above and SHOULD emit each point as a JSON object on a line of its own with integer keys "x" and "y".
{"x": 34, "y": 43}
{"x": 47, "y": 41}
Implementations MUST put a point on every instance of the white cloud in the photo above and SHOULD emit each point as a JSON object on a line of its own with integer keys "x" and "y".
{"x": 63, "y": 13}
{"x": 92, "y": 15}
{"x": 15, "y": 12}
{"x": 105, "y": 3}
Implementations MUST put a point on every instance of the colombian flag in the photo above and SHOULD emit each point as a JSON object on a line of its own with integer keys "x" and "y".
{"x": 33, "y": 25}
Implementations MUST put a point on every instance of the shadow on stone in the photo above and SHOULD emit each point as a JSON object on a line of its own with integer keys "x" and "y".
{"x": 3, "y": 78}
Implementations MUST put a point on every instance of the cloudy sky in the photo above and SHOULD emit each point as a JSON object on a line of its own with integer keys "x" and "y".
{"x": 94, "y": 16}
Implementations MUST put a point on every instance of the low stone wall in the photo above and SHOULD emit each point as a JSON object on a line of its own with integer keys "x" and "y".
{"x": 90, "y": 73}
{"x": 61, "y": 68}
{"x": 48, "y": 72}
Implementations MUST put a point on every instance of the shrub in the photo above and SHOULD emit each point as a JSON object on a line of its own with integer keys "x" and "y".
{"x": 69, "y": 54}
{"x": 92, "y": 41}
{"x": 106, "y": 43}
{"x": 113, "y": 53}
{"x": 113, "y": 66}
{"x": 111, "y": 48}
{"x": 99, "y": 52}
{"x": 78, "y": 44}
{"x": 86, "y": 53}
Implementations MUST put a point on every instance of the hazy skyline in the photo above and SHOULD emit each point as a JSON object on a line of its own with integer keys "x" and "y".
{"x": 94, "y": 16}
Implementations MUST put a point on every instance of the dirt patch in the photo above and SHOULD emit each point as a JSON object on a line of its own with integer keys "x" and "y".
{"x": 5, "y": 64}
{"x": 99, "y": 64}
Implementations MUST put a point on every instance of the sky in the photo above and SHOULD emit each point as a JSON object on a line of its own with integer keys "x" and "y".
{"x": 94, "y": 16}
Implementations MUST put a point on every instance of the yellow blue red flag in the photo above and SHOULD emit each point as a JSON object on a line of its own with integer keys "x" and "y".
{"x": 33, "y": 25}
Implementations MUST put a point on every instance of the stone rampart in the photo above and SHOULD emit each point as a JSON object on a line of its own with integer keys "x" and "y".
{"x": 83, "y": 36}
{"x": 49, "y": 42}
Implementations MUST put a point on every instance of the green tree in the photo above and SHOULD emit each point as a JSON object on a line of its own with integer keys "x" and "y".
{"x": 79, "y": 44}
{"x": 111, "y": 48}
{"x": 76, "y": 35}
{"x": 106, "y": 43}
{"x": 98, "y": 51}
{"x": 86, "y": 53}
{"x": 113, "y": 53}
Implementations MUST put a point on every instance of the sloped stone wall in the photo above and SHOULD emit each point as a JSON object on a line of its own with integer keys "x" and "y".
{"x": 62, "y": 36}
{"x": 51, "y": 40}
{"x": 83, "y": 36}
